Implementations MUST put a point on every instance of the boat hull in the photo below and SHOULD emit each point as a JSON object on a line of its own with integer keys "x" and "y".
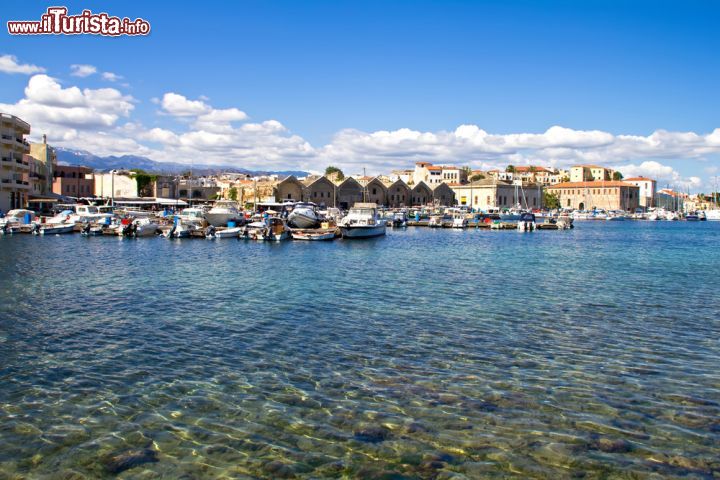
{"x": 217, "y": 219}
{"x": 302, "y": 218}
{"x": 357, "y": 231}
{"x": 56, "y": 230}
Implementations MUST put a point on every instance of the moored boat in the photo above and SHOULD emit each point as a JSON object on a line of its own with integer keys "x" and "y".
{"x": 362, "y": 221}
{"x": 223, "y": 213}
{"x": 303, "y": 215}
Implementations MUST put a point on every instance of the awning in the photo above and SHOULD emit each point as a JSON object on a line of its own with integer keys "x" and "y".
{"x": 47, "y": 198}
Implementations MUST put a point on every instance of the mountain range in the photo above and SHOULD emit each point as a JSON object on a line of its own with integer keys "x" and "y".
{"x": 87, "y": 159}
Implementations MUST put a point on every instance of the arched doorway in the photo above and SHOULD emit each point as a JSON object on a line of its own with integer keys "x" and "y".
{"x": 582, "y": 205}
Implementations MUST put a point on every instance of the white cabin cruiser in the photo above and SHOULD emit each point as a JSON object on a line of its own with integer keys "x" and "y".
{"x": 192, "y": 215}
{"x": 362, "y": 221}
{"x": 304, "y": 215}
{"x": 17, "y": 216}
{"x": 223, "y": 212}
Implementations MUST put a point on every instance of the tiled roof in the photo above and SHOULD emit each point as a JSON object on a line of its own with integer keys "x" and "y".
{"x": 638, "y": 179}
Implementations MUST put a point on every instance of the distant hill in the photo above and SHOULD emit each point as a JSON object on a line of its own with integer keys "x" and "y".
{"x": 87, "y": 159}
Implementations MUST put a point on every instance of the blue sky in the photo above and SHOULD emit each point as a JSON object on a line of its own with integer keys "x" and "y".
{"x": 334, "y": 74}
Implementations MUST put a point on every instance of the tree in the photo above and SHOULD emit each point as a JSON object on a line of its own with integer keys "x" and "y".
{"x": 617, "y": 175}
{"x": 565, "y": 179}
{"x": 476, "y": 177}
{"x": 331, "y": 170}
{"x": 233, "y": 194}
{"x": 144, "y": 182}
{"x": 551, "y": 200}
{"x": 510, "y": 169}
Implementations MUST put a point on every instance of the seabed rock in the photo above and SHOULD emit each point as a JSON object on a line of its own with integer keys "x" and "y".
{"x": 373, "y": 434}
{"x": 130, "y": 459}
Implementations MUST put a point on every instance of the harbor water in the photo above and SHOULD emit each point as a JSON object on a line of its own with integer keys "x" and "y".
{"x": 429, "y": 353}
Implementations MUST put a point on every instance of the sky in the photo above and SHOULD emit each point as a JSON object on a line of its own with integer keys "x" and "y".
{"x": 379, "y": 85}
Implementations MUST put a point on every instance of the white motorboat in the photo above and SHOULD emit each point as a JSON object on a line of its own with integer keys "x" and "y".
{"x": 362, "y": 221}
{"x": 459, "y": 221}
{"x": 564, "y": 221}
{"x": 272, "y": 229}
{"x": 672, "y": 216}
{"x": 712, "y": 214}
{"x": 526, "y": 223}
{"x": 224, "y": 212}
{"x": 192, "y": 215}
{"x": 226, "y": 233}
{"x": 141, "y": 227}
{"x": 435, "y": 221}
{"x": 17, "y": 216}
{"x": 181, "y": 229}
{"x": 304, "y": 215}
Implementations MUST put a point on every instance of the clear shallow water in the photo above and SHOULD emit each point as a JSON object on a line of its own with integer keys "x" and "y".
{"x": 426, "y": 354}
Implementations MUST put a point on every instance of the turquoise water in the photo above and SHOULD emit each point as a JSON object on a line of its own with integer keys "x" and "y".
{"x": 589, "y": 353}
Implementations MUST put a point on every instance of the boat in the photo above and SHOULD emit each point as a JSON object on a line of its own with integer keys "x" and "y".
{"x": 399, "y": 220}
{"x": 564, "y": 221}
{"x": 692, "y": 217}
{"x": 53, "y": 229}
{"x": 212, "y": 233}
{"x": 459, "y": 221}
{"x": 17, "y": 216}
{"x": 672, "y": 216}
{"x": 181, "y": 229}
{"x": 192, "y": 215}
{"x": 362, "y": 221}
{"x": 712, "y": 214}
{"x": 436, "y": 221}
{"x": 526, "y": 223}
{"x": 141, "y": 227}
{"x": 90, "y": 230}
{"x": 303, "y": 215}
{"x": 306, "y": 235}
{"x": 272, "y": 229}
{"x": 223, "y": 213}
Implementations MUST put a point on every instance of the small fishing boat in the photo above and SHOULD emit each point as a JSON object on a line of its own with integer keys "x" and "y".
{"x": 436, "y": 221}
{"x": 212, "y": 233}
{"x": 526, "y": 223}
{"x": 459, "y": 221}
{"x": 181, "y": 229}
{"x": 272, "y": 229}
{"x": 90, "y": 230}
{"x": 306, "y": 235}
{"x": 54, "y": 229}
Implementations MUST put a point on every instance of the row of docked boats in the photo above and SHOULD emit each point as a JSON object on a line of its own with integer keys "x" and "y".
{"x": 302, "y": 222}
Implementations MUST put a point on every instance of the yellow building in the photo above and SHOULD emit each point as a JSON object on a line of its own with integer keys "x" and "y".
{"x": 14, "y": 169}
{"x": 45, "y": 163}
{"x": 589, "y": 173}
{"x": 605, "y": 195}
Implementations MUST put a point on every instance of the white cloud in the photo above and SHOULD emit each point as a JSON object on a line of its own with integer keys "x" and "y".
{"x": 179, "y": 106}
{"x": 82, "y": 70}
{"x": 9, "y": 64}
{"x": 50, "y": 108}
{"x": 100, "y": 120}
{"x": 111, "y": 77}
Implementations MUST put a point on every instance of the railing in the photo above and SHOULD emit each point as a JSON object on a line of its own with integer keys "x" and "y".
{"x": 7, "y": 116}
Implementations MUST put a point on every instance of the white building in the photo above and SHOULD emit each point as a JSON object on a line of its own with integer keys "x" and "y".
{"x": 116, "y": 183}
{"x": 648, "y": 189}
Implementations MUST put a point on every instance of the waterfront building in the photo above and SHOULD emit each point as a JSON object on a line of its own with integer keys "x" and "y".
{"x": 45, "y": 159}
{"x": 434, "y": 175}
{"x": 14, "y": 169}
{"x": 165, "y": 186}
{"x": 116, "y": 183}
{"x": 443, "y": 195}
{"x": 648, "y": 189}
{"x": 492, "y": 193}
{"x": 73, "y": 181}
{"x": 320, "y": 190}
{"x": 375, "y": 191}
{"x": 290, "y": 188}
{"x": 590, "y": 195}
{"x": 421, "y": 194}
{"x": 670, "y": 200}
{"x": 199, "y": 189}
{"x": 398, "y": 193}
{"x": 349, "y": 192}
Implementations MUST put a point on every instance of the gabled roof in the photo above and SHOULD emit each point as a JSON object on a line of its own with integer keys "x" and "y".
{"x": 638, "y": 179}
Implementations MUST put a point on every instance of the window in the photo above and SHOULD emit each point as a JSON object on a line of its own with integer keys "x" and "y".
{"x": 315, "y": 194}
{"x": 374, "y": 191}
{"x": 568, "y": 202}
{"x": 534, "y": 201}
